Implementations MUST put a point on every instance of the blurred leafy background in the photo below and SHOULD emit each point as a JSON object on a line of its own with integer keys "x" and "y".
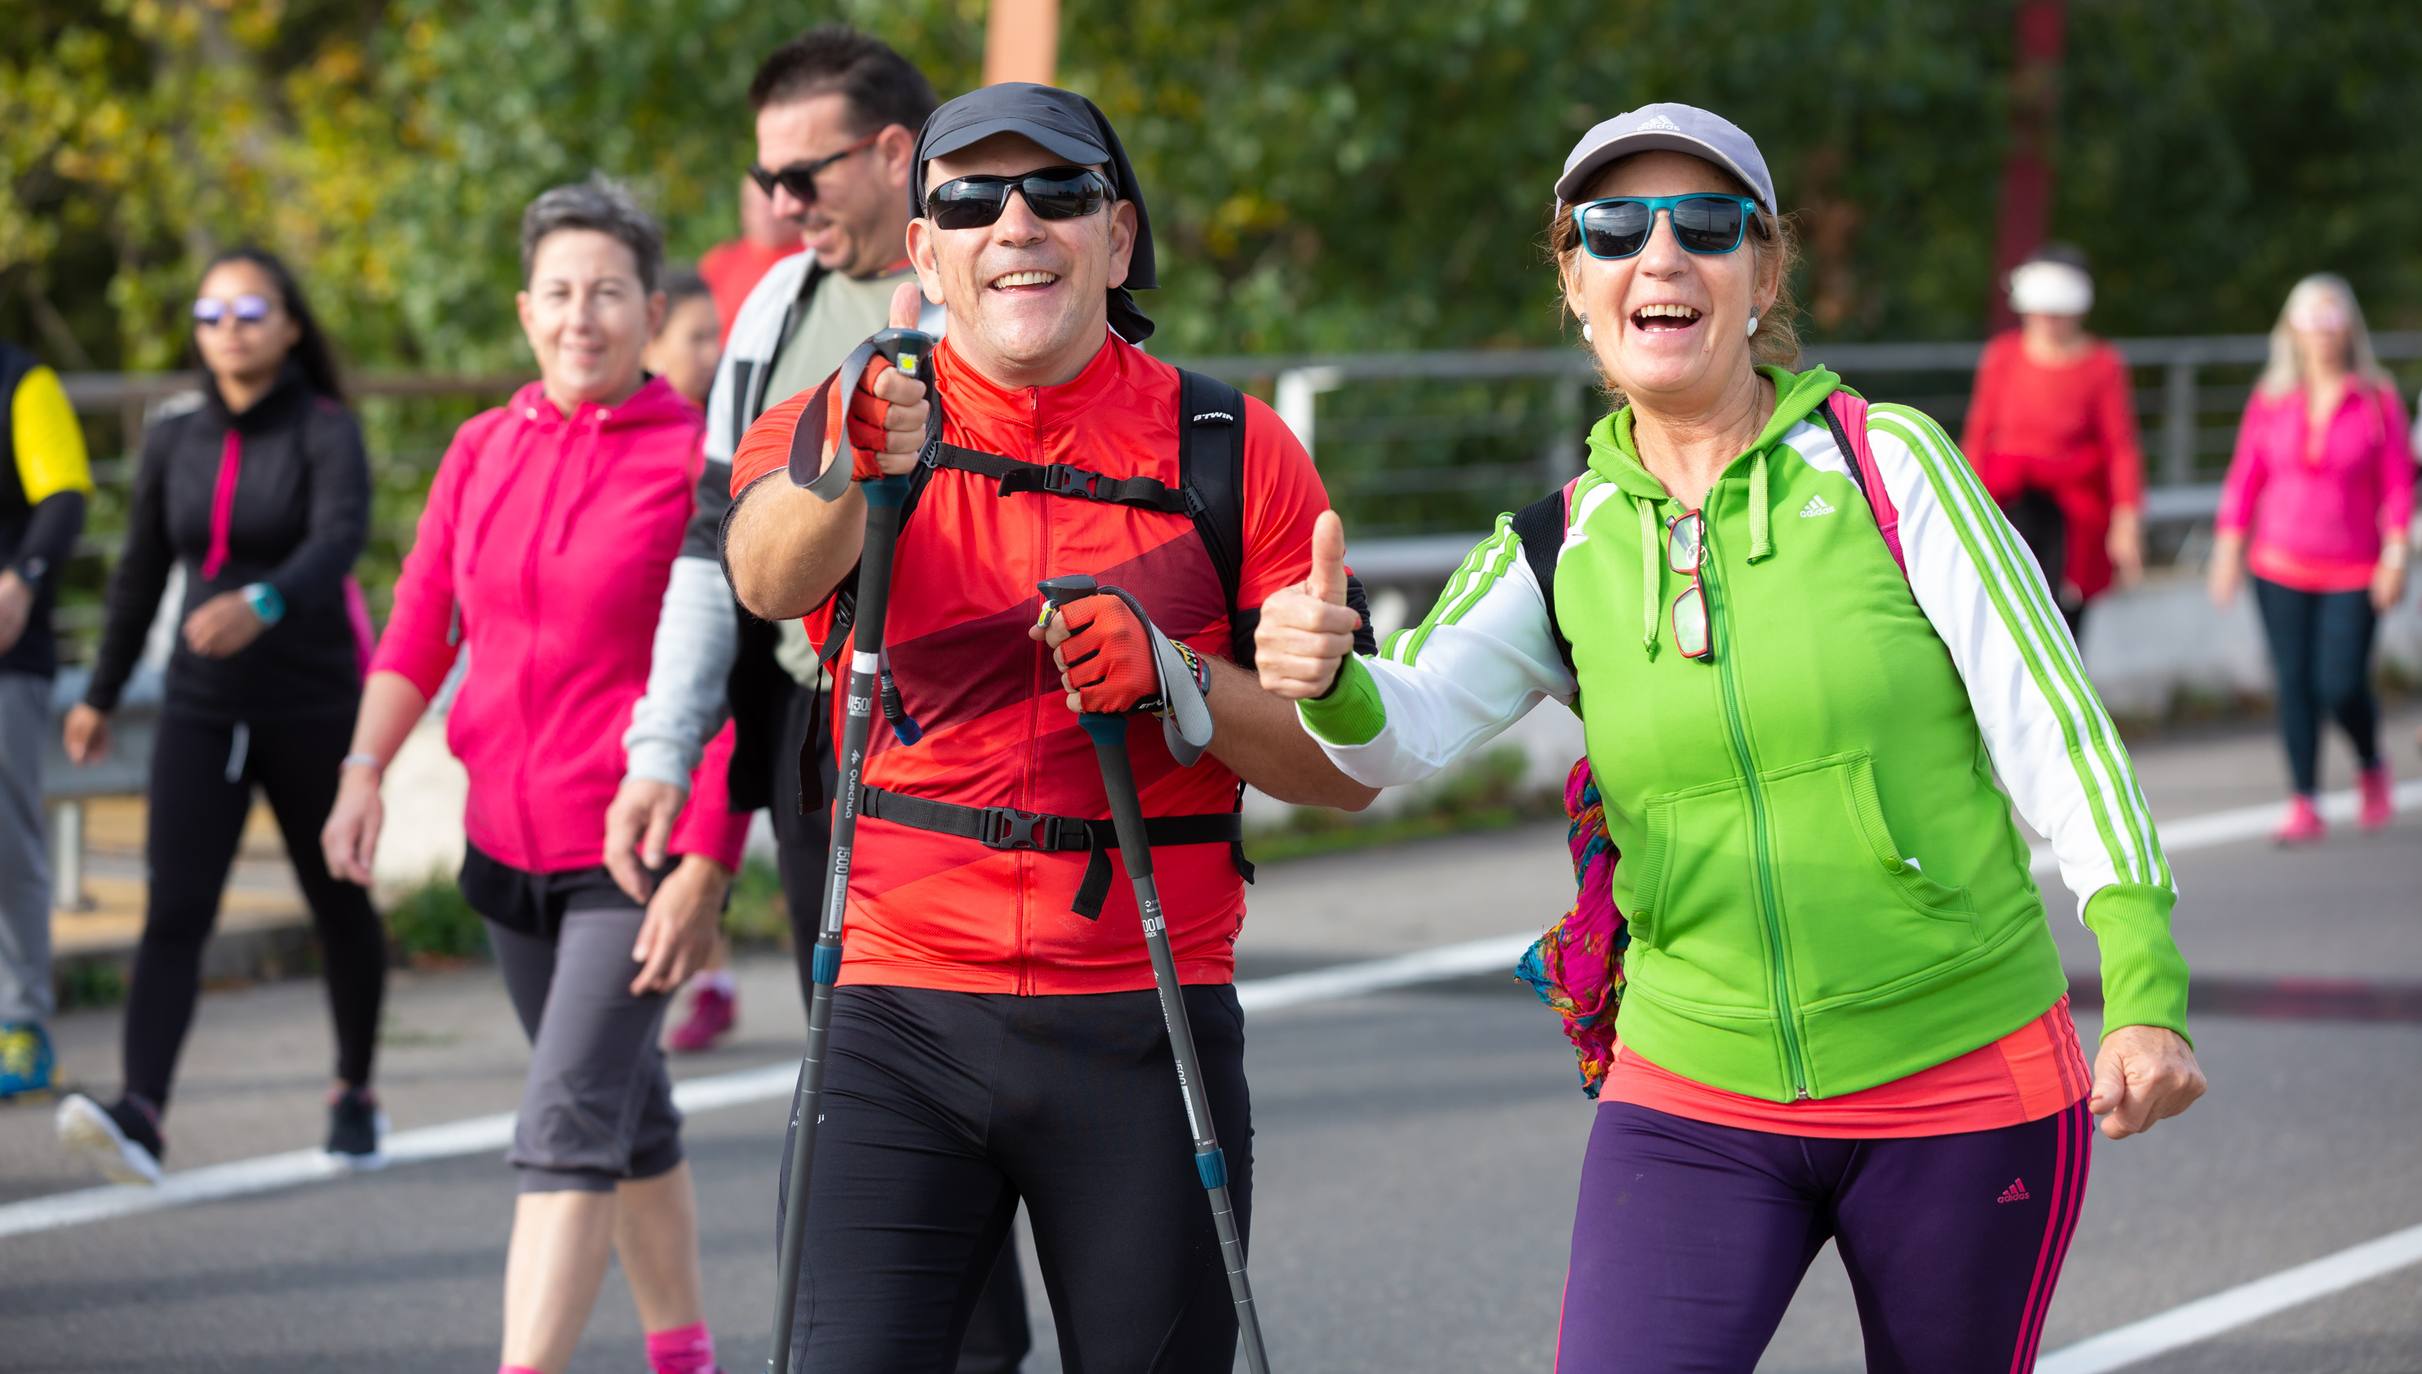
{"x": 1364, "y": 176}
{"x": 1352, "y": 176}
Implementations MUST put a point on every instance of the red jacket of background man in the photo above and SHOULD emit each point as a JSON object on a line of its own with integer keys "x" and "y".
{"x": 730, "y": 269}
{"x": 938, "y": 911}
{"x": 2069, "y": 431}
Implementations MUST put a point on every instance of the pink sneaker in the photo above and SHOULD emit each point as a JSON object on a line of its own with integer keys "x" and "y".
{"x": 2379, "y": 805}
{"x": 2302, "y": 826}
{"x": 713, "y": 1013}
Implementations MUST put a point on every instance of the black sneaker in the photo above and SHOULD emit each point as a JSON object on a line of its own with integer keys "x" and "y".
{"x": 121, "y": 1140}
{"x": 354, "y": 1126}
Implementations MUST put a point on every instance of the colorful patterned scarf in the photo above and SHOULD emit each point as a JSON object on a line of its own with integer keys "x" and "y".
{"x": 1577, "y": 966}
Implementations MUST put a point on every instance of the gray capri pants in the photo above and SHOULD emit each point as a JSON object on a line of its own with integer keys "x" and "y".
{"x": 597, "y": 1107}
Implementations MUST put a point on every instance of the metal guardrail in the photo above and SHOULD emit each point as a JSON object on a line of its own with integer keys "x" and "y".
{"x": 66, "y": 787}
{"x": 1463, "y": 434}
{"x": 2190, "y": 395}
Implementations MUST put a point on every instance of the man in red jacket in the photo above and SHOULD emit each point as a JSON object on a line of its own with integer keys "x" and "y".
{"x": 995, "y": 1037}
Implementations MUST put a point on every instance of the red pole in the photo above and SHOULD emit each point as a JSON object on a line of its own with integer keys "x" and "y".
{"x": 2026, "y": 206}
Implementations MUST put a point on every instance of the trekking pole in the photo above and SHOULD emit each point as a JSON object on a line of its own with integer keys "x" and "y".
{"x": 1109, "y": 734}
{"x": 829, "y": 475}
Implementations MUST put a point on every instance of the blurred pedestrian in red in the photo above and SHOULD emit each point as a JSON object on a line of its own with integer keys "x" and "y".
{"x": 2052, "y": 431}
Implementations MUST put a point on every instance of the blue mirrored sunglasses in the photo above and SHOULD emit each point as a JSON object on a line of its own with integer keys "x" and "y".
{"x": 1703, "y": 222}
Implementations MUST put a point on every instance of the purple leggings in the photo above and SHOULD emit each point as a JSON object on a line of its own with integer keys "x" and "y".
{"x": 1690, "y": 1239}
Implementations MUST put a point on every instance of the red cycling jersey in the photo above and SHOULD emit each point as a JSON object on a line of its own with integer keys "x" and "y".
{"x": 932, "y": 910}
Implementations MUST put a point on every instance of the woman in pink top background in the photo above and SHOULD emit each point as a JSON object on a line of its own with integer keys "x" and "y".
{"x": 2316, "y": 507}
{"x": 543, "y": 553}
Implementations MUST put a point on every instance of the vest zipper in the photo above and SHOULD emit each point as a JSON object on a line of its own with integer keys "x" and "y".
{"x": 1760, "y": 846}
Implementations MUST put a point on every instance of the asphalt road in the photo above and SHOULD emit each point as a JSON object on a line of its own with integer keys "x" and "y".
{"x": 1416, "y": 1148}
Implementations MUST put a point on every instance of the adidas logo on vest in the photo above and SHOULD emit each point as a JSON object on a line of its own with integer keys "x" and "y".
{"x": 2016, "y": 1192}
{"x": 1816, "y": 506}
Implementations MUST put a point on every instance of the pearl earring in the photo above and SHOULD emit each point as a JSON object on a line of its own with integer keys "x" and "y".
{"x": 1753, "y": 325}
{"x": 1586, "y": 335}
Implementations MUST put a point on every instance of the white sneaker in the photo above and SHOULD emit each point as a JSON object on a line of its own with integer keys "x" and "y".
{"x": 117, "y": 1140}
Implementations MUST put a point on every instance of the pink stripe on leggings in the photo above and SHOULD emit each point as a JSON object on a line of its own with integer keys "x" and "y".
{"x": 222, "y": 503}
{"x": 2073, "y": 1140}
{"x": 1562, "y": 1298}
{"x": 2077, "y": 1208}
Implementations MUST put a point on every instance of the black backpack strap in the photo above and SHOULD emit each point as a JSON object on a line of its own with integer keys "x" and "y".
{"x": 1211, "y": 474}
{"x": 1057, "y": 479}
{"x": 1540, "y": 527}
{"x": 1006, "y": 827}
{"x": 1850, "y": 456}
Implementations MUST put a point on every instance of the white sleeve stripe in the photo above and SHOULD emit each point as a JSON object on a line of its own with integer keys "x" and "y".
{"x": 2040, "y": 643}
{"x": 2052, "y": 631}
{"x": 2003, "y": 578}
{"x": 2130, "y": 799}
{"x": 1481, "y": 569}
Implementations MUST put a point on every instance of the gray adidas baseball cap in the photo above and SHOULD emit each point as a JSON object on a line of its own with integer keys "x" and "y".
{"x": 1672, "y": 128}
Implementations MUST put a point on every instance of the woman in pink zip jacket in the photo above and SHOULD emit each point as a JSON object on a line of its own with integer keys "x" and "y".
{"x": 549, "y": 534}
{"x": 2316, "y": 506}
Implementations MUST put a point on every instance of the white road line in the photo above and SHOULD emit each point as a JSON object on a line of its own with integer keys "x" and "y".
{"x": 2231, "y": 1308}
{"x": 478, "y": 1135}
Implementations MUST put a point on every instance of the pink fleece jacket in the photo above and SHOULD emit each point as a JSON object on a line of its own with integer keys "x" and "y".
{"x": 2317, "y": 503}
{"x": 544, "y": 551}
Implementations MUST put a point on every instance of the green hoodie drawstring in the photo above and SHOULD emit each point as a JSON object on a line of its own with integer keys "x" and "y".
{"x": 1761, "y": 532}
{"x": 1652, "y": 575}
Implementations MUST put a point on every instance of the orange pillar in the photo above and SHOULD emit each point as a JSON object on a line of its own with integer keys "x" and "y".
{"x": 1021, "y": 40}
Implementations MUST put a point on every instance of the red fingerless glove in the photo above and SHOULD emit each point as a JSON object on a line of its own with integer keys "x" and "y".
{"x": 1108, "y": 655}
{"x": 863, "y": 418}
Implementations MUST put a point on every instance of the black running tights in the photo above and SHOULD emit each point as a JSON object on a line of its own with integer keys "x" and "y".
{"x": 202, "y": 777}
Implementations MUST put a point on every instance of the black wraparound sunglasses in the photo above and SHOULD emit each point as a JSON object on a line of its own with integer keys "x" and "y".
{"x": 1051, "y": 192}
{"x": 799, "y": 178}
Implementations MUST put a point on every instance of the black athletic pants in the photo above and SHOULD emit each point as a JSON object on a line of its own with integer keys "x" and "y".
{"x": 998, "y": 1338}
{"x": 801, "y": 841}
{"x": 2321, "y": 649}
{"x": 944, "y": 1110}
{"x": 202, "y": 777}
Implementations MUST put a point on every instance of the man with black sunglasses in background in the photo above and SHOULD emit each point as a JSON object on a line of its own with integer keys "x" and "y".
{"x": 996, "y": 1038}
{"x": 837, "y": 114}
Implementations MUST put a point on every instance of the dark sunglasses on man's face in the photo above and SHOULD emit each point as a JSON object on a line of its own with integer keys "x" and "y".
{"x": 799, "y": 178}
{"x": 244, "y": 309}
{"x": 1704, "y": 223}
{"x": 1051, "y": 193}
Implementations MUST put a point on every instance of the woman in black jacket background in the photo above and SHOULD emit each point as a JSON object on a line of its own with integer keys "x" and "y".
{"x": 262, "y": 495}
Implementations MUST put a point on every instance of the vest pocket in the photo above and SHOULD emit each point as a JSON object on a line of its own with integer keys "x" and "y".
{"x": 1693, "y": 911}
{"x": 1858, "y": 913}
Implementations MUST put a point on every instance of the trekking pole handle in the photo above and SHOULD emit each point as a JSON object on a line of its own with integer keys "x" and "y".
{"x": 911, "y": 351}
{"x": 1059, "y": 591}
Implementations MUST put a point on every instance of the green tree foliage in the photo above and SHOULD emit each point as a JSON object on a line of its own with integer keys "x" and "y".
{"x": 1360, "y": 175}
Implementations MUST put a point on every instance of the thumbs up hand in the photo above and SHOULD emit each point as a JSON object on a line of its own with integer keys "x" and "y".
{"x": 1307, "y": 630}
{"x": 888, "y": 411}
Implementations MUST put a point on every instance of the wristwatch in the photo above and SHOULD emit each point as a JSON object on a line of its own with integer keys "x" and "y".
{"x": 1195, "y": 661}
{"x": 265, "y": 602}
